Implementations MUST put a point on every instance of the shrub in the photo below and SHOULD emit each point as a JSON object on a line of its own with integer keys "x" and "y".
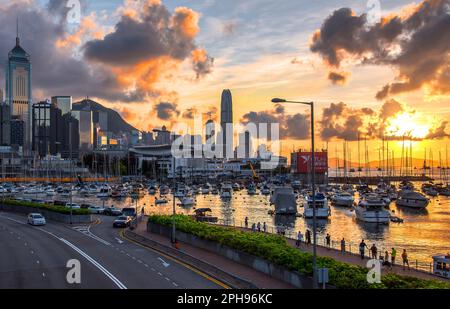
{"x": 58, "y": 209}
{"x": 275, "y": 249}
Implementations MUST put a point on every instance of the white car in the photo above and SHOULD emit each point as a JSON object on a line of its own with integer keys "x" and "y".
{"x": 73, "y": 206}
{"x": 96, "y": 209}
{"x": 36, "y": 219}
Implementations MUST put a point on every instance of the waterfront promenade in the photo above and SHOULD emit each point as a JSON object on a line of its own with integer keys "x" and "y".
{"x": 264, "y": 281}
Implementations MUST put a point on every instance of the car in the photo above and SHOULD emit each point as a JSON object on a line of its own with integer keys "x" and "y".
{"x": 36, "y": 219}
{"x": 112, "y": 211}
{"x": 122, "y": 222}
{"x": 73, "y": 206}
{"x": 96, "y": 209}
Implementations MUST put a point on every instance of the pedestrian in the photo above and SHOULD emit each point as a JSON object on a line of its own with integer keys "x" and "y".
{"x": 393, "y": 256}
{"x": 299, "y": 239}
{"x": 308, "y": 237}
{"x": 265, "y": 227}
{"x": 386, "y": 259}
{"x": 253, "y": 227}
{"x": 259, "y": 226}
{"x": 343, "y": 246}
{"x": 328, "y": 239}
{"x": 362, "y": 248}
{"x": 374, "y": 251}
{"x": 246, "y": 222}
{"x": 405, "y": 259}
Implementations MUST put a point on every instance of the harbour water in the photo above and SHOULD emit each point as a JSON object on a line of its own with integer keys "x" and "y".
{"x": 423, "y": 233}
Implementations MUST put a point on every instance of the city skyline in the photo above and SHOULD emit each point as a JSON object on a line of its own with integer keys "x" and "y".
{"x": 215, "y": 57}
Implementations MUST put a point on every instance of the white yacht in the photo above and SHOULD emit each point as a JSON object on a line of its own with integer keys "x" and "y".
{"x": 105, "y": 191}
{"x": 164, "y": 190}
{"x": 236, "y": 187}
{"x": 284, "y": 200}
{"x": 265, "y": 190}
{"x": 161, "y": 201}
{"x": 50, "y": 192}
{"x": 322, "y": 208}
{"x": 412, "y": 199}
{"x": 226, "y": 191}
{"x": 187, "y": 201}
{"x": 343, "y": 199}
{"x": 372, "y": 209}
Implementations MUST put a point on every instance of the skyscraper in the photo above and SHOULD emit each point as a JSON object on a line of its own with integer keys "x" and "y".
{"x": 18, "y": 89}
{"x": 226, "y": 121}
{"x": 64, "y": 103}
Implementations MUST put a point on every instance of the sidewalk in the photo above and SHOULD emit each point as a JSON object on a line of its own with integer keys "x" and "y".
{"x": 259, "y": 279}
{"x": 355, "y": 259}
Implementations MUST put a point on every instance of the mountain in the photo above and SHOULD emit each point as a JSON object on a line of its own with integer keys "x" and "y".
{"x": 116, "y": 124}
{"x": 375, "y": 164}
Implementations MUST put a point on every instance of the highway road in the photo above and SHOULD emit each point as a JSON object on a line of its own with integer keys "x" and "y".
{"x": 36, "y": 257}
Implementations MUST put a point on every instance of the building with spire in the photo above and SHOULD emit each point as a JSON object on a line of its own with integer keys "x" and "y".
{"x": 226, "y": 122}
{"x": 18, "y": 92}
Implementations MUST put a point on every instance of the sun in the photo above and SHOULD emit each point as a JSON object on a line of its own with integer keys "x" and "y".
{"x": 407, "y": 125}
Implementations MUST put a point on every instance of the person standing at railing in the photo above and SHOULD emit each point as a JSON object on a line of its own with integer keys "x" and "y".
{"x": 259, "y": 226}
{"x": 246, "y": 222}
{"x": 374, "y": 251}
{"x": 343, "y": 245}
{"x": 308, "y": 237}
{"x": 393, "y": 255}
{"x": 299, "y": 239}
{"x": 264, "y": 227}
{"x": 253, "y": 227}
{"x": 405, "y": 259}
{"x": 362, "y": 249}
{"x": 328, "y": 240}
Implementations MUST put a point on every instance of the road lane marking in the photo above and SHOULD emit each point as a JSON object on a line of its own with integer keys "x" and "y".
{"x": 174, "y": 284}
{"x": 165, "y": 264}
{"x": 193, "y": 269}
{"x": 119, "y": 240}
{"x": 116, "y": 281}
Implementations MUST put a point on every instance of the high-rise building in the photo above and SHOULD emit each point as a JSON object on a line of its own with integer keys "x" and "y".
{"x": 64, "y": 103}
{"x": 226, "y": 121}
{"x": 5, "y": 124}
{"x": 245, "y": 150}
{"x": 163, "y": 136}
{"x": 41, "y": 128}
{"x": 19, "y": 90}
{"x": 86, "y": 129}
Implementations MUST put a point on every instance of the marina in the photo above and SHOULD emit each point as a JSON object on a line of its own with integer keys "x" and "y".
{"x": 423, "y": 232}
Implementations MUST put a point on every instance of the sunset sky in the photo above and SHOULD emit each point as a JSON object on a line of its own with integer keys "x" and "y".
{"x": 159, "y": 62}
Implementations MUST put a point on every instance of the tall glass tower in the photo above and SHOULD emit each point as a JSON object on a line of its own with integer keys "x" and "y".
{"x": 226, "y": 121}
{"x": 18, "y": 89}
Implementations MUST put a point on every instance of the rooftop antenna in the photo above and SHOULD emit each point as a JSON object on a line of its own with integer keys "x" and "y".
{"x": 17, "y": 32}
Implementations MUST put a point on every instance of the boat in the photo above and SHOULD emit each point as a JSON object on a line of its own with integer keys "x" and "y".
{"x": 322, "y": 208}
{"x": 161, "y": 201}
{"x": 265, "y": 190}
{"x": 371, "y": 209}
{"x": 105, "y": 191}
{"x": 296, "y": 184}
{"x": 284, "y": 200}
{"x": 187, "y": 201}
{"x": 164, "y": 190}
{"x": 412, "y": 199}
{"x": 204, "y": 215}
{"x": 206, "y": 189}
{"x": 343, "y": 199}
{"x": 236, "y": 187}
{"x": 50, "y": 192}
{"x": 226, "y": 191}
{"x": 251, "y": 189}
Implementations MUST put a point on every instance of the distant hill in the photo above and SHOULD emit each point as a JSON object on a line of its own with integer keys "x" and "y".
{"x": 116, "y": 124}
{"x": 375, "y": 164}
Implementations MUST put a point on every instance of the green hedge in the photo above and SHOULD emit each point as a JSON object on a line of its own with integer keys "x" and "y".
{"x": 275, "y": 249}
{"x": 58, "y": 209}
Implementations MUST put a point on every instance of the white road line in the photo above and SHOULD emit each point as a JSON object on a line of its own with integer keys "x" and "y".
{"x": 167, "y": 279}
{"x": 37, "y": 262}
{"x": 165, "y": 264}
{"x": 96, "y": 264}
{"x": 146, "y": 265}
{"x": 78, "y": 250}
{"x": 160, "y": 274}
{"x": 174, "y": 284}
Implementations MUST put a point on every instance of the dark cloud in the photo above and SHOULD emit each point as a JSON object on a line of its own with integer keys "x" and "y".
{"x": 295, "y": 126}
{"x": 416, "y": 44}
{"x": 202, "y": 63}
{"x": 439, "y": 132}
{"x": 342, "y": 122}
{"x": 390, "y": 109}
{"x": 166, "y": 110}
{"x": 337, "y": 78}
{"x": 190, "y": 113}
{"x": 229, "y": 27}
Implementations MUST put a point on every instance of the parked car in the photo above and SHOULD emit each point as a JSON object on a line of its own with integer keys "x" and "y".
{"x": 122, "y": 222}
{"x": 112, "y": 211}
{"x": 36, "y": 219}
{"x": 96, "y": 209}
{"x": 73, "y": 206}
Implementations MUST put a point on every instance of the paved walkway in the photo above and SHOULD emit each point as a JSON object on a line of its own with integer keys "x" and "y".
{"x": 256, "y": 277}
{"x": 355, "y": 259}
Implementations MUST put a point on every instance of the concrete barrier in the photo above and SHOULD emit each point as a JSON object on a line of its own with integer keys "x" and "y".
{"x": 279, "y": 272}
{"x": 49, "y": 215}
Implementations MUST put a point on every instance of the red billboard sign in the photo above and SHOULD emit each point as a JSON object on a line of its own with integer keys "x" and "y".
{"x": 303, "y": 162}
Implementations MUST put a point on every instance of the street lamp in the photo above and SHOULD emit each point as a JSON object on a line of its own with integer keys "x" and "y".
{"x": 313, "y": 182}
